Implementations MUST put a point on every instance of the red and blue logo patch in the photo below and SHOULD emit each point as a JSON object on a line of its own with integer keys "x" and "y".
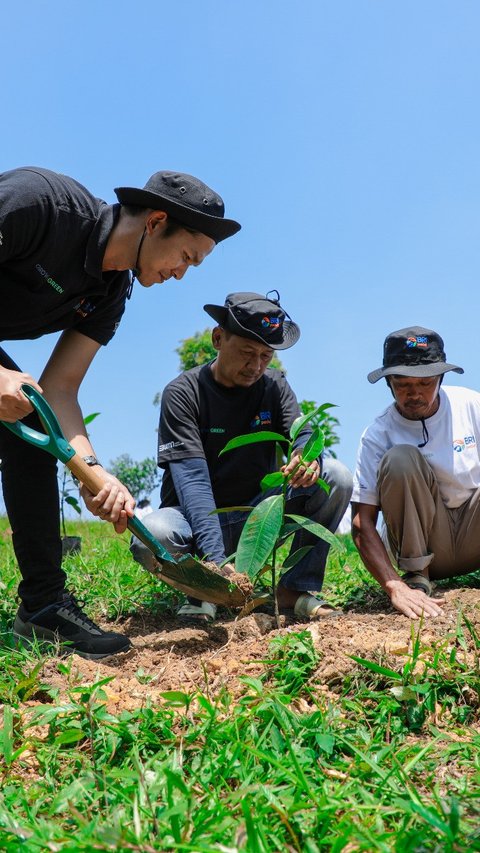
{"x": 417, "y": 341}
{"x": 271, "y": 323}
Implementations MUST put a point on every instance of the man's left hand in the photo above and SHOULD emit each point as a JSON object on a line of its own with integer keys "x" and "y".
{"x": 113, "y": 503}
{"x": 305, "y": 474}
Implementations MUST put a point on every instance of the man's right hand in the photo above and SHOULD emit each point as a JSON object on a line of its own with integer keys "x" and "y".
{"x": 14, "y": 405}
{"x": 413, "y": 602}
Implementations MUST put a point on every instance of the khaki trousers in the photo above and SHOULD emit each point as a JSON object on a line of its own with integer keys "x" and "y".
{"x": 423, "y": 534}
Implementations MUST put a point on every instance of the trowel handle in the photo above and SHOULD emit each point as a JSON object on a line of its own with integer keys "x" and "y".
{"x": 87, "y": 475}
{"x": 53, "y": 441}
{"x": 141, "y": 532}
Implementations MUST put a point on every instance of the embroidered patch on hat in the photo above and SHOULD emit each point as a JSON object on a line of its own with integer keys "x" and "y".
{"x": 417, "y": 341}
{"x": 271, "y": 323}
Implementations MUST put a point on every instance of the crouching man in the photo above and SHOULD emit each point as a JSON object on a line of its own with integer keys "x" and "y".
{"x": 419, "y": 464}
{"x": 207, "y": 406}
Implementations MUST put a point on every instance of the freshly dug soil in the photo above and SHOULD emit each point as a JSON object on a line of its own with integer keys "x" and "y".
{"x": 168, "y": 655}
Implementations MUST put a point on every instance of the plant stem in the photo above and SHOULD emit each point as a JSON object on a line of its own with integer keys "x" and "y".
{"x": 274, "y": 587}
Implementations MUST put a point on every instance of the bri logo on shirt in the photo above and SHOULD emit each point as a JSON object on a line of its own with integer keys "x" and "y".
{"x": 460, "y": 444}
{"x": 262, "y": 419}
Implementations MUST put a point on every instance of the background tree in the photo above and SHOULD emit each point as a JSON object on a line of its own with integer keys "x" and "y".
{"x": 140, "y": 478}
{"x": 196, "y": 350}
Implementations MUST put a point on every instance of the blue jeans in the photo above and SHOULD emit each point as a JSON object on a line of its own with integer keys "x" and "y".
{"x": 171, "y": 528}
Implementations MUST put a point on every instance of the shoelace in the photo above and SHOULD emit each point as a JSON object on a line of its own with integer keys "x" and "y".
{"x": 75, "y": 607}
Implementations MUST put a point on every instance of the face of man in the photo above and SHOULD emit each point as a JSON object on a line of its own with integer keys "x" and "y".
{"x": 240, "y": 361}
{"x": 163, "y": 257}
{"x": 416, "y": 397}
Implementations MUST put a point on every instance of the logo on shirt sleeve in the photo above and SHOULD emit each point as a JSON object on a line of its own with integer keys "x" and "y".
{"x": 85, "y": 307}
{"x": 460, "y": 444}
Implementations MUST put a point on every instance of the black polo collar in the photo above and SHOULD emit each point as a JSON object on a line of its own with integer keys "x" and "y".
{"x": 97, "y": 242}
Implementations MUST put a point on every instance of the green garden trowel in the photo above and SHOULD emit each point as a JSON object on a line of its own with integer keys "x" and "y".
{"x": 188, "y": 574}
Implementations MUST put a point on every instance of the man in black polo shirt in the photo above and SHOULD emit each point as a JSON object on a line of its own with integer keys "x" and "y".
{"x": 65, "y": 262}
{"x": 203, "y": 409}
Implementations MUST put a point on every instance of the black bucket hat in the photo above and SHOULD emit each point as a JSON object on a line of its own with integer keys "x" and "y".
{"x": 185, "y": 199}
{"x": 414, "y": 351}
{"x": 261, "y": 318}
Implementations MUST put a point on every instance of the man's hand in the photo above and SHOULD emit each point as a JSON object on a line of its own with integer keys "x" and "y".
{"x": 14, "y": 405}
{"x": 305, "y": 475}
{"x": 113, "y": 503}
{"x": 413, "y": 602}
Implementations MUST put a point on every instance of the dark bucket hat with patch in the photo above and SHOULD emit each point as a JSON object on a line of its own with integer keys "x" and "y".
{"x": 186, "y": 199}
{"x": 413, "y": 351}
{"x": 261, "y": 318}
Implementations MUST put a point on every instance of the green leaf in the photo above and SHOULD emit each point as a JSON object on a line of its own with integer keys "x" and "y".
{"x": 70, "y": 736}
{"x": 176, "y": 698}
{"x": 69, "y": 499}
{"x": 271, "y": 481}
{"x": 252, "y": 438}
{"x": 176, "y": 781}
{"x": 7, "y": 734}
{"x": 314, "y": 446}
{"x": 454, "y": 818}
{"x": 403, "y": 693}
{"x": 259, "y": 535}
{"x": 300, "y": 422}
{"x": 473, "y": 633}
{"x": 326, "y": 742}
{"x": 375, "y": 667}
{"x": 295, "y": 558}
{"x": 255, "y": 683}
{"x": 90, "y": 418}
{"x": 323, "y": 485}
{"x": 431, "y": 817}
{"x": 318, "y": 530}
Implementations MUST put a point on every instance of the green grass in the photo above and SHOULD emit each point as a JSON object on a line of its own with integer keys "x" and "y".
{"x": 390, "y": 763}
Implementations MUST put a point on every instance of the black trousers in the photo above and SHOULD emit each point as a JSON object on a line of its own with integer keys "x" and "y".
{"x": 30, "y": 492}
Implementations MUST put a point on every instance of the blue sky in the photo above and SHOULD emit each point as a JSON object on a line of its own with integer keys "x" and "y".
{"x": 344, "y": 136}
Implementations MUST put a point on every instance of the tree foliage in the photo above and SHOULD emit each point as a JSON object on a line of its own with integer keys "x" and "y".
{"x": 196, "y": 350}
{"x": 140, "y": 478}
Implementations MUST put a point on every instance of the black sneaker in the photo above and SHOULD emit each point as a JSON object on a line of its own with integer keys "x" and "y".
{"x": 64, "y": 622}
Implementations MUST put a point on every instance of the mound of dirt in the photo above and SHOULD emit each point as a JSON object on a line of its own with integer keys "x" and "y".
{"x": 168, "y": 656}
